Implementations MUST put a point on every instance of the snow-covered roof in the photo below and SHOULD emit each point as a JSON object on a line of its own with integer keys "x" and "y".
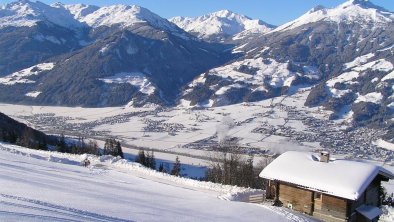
{"x": 343, "y": 178}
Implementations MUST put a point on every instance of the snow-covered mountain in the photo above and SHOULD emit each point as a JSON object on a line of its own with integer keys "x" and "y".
{"x": 27, "y": 13}
{"x": 154, "y": 57}
{"x": 350, "y": 12}
{"x": 123, "y": 16}
{"x": 222, "y": 25}
{"x": 346, "y": 52}
{"x": 78, "y": 10}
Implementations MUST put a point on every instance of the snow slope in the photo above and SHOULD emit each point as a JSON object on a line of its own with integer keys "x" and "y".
{"x": 222, "y": 22}
{"x": 136, "y": 79}
{"x": 352, "y": 11}
{"x": 23, "y": 75}
{"x": 45, "y": 186}
{"x": 356, "y": 69}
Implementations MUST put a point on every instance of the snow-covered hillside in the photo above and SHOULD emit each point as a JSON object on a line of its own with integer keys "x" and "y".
{"x": 221, "y": 25}
{"x": 135, "y": 79}
{"x": 22, "y": 76}
{"x": 49, "y": 186}
{"x": 246, "y": 80}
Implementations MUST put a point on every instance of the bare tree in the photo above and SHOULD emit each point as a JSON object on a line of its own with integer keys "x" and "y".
{"x": 225, "y": 162}
{"x": 229, "y": 165}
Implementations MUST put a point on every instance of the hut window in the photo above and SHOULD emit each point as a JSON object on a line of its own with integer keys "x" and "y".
{"x": 318, "y": 195}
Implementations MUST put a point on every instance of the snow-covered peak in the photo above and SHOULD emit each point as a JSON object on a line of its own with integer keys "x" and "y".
{"x": 28, "y": 13}
{"x": 225, "y": 14}
{"x": 125, "y": 15}
{"x": 317, "y": 8}
{"x": 352, "y": 11}
{"x": 78, "y": 10}
{"x": 362, "y": 3}
{"x": 223, "y": 22}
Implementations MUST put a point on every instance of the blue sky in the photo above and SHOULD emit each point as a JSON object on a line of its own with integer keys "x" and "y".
{"x": 272, "y": 11}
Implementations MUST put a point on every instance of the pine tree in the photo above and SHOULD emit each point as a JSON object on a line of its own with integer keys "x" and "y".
{"x": 152, "y": 161}
{"x": 74, "y": 149}
{"x": 26, "y": 139}
{"x": 106, "y": 147}
{"x": 161, "y": 168}
{"x": 3, "y": 136}
{"x": 61, "y": 145}
{"x": 141, "y": 158}
{"x": 12, "y": 137}
{"x": 43, "y": 145}
{"x": 111, "y": 147}
{"x": 92, "y": 147}
{"x": 119, "y": 151}
{"x": 176, "y": 169}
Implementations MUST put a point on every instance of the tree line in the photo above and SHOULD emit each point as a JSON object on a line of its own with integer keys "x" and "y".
{"x": 147, "y": 159}
{"x": 81, "y": 146}
{"x": 229, "y": 166}
{"x": 28, "y": 138}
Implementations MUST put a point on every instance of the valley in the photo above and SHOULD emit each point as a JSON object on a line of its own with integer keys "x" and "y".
{"x": 262, "y": 128}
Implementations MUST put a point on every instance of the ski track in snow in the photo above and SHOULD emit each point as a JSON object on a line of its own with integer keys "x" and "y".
{"x": 50, "y": 186}
{"x": 59, "y": 210}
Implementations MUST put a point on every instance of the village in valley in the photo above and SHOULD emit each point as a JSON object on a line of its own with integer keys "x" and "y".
{"x": 277, "y": 118}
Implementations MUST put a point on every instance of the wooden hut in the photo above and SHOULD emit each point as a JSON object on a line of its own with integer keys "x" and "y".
{"x": 331, "y": 190}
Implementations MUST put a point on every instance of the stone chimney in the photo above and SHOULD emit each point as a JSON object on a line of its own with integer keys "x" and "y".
{"x": 324, "y": 156}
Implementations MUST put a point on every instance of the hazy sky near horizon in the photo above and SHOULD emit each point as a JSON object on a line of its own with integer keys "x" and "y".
{"x": 275, "y": 12}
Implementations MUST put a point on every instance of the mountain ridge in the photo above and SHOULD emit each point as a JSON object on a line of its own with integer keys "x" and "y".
{"x": 221, "y": 25}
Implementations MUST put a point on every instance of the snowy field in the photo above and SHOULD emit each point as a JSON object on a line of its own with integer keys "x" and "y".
{"x": 268, "y": 127}
{"x": 175, "y": 128}
{"x": 50, "y": 186}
